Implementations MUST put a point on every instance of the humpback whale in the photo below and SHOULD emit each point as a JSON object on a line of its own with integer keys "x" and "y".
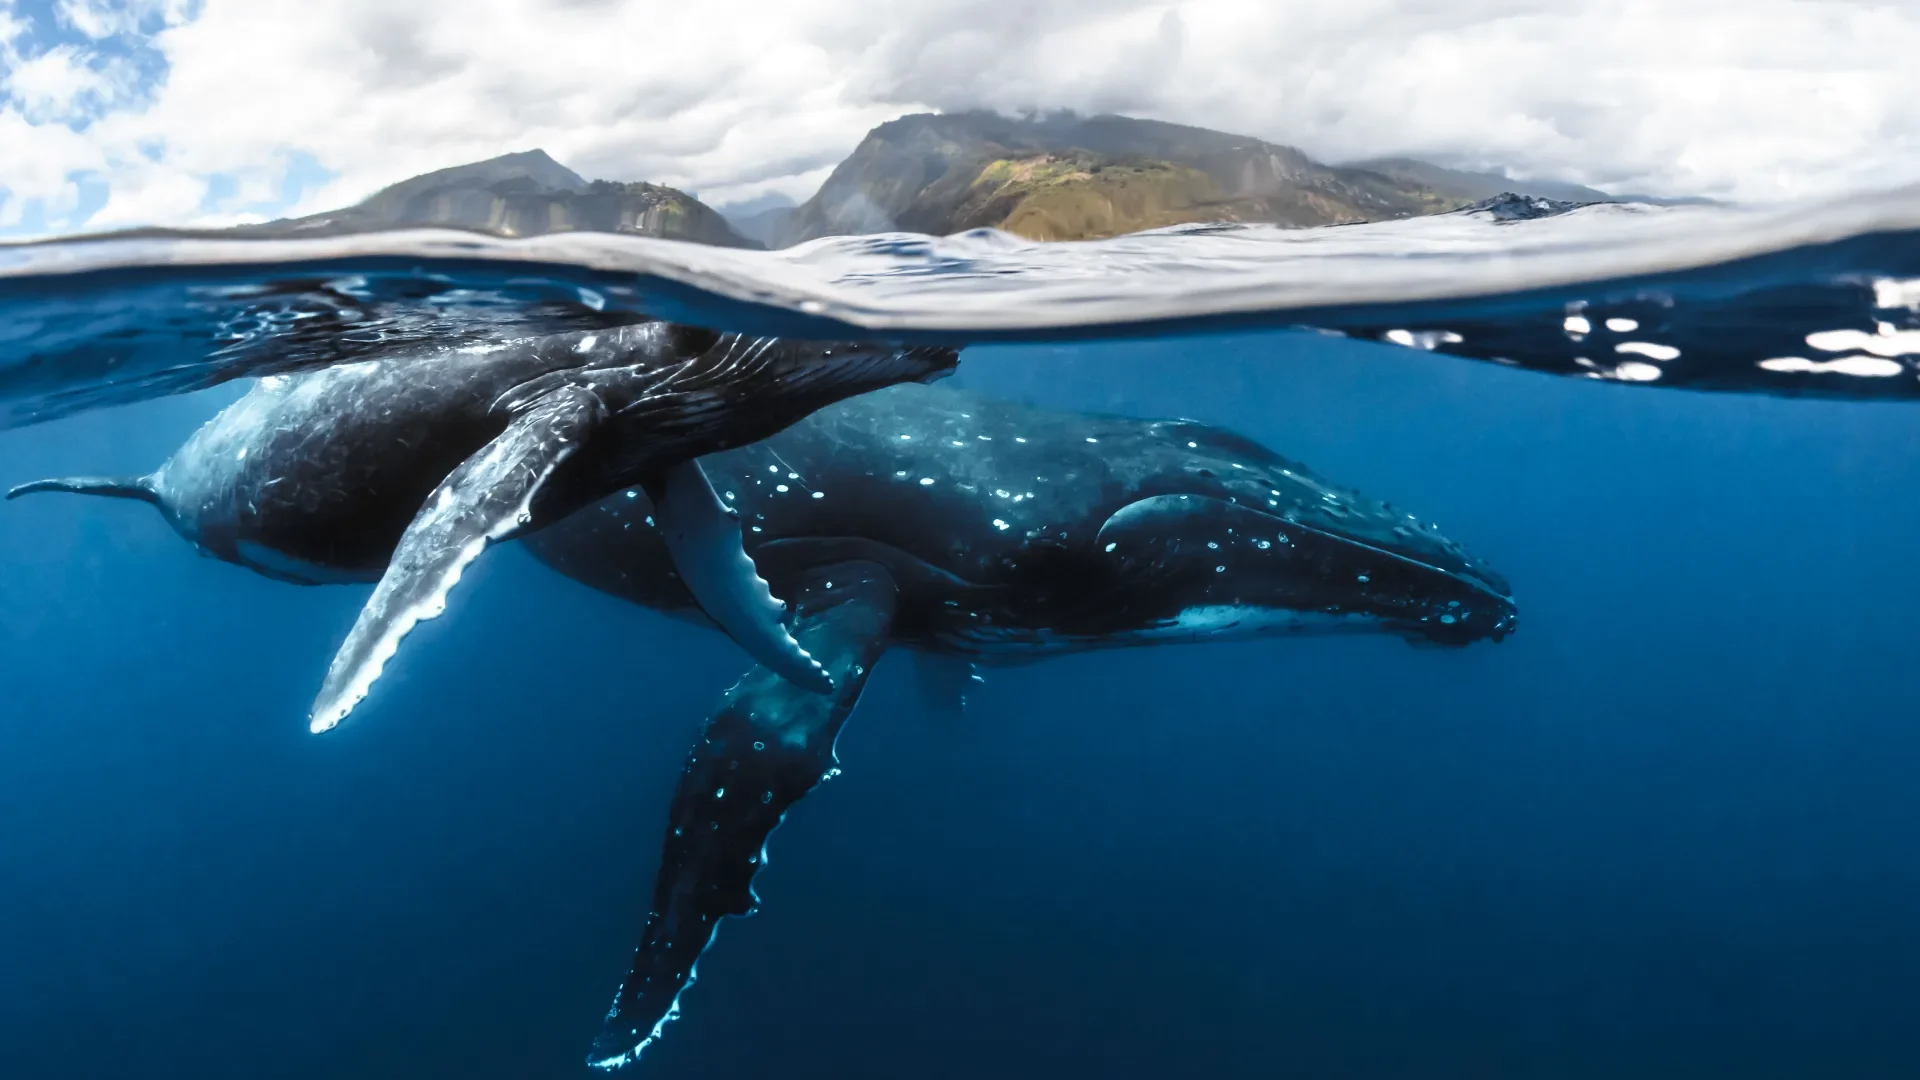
{"x": 975, "y": 529}
{"x": 403, "y": 469}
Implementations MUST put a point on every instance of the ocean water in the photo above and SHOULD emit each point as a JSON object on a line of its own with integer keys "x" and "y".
{"x": 1666, "y": 829}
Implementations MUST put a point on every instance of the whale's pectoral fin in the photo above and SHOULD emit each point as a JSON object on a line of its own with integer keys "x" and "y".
{"x": 766, "y": 747}
{"x": 702, "y": 534}
{"x": 487, "y": 499}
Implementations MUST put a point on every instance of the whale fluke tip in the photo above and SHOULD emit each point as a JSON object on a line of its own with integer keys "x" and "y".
{"x": 113, "y": 487}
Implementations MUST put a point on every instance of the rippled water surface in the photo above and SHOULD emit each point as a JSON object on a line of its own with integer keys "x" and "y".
{"x": 1821, "y": 298}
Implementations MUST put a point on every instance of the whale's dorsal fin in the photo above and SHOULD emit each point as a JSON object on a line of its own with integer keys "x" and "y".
{"x": 703, "y": 537}
{"x": 766, "y": 747}
{"x": 487, "y": 499}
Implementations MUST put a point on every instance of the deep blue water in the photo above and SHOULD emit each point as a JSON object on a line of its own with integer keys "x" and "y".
{"x": 1668, "y": 829}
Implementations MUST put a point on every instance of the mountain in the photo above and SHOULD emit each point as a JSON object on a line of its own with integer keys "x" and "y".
{"x": 760, "y": 219}
{"x": 522, "y": 194}
{"x": 1050, "y": 177}
{"x": 1064, "y": 177}
{"x": 1475, "y": 186}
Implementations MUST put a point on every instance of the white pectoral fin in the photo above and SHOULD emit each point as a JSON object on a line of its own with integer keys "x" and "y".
{"x": 703, "y": 536}
{"x": 487, "y": 499}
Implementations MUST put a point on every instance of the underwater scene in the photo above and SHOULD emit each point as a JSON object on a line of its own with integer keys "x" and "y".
{"x": 1049, "y": 593}
{"x": 1645, "y": 804}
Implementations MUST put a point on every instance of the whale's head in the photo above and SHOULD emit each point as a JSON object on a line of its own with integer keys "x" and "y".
{"x": 1238, "y": 541}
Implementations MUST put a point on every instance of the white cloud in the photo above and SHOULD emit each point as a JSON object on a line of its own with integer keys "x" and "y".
{"x": 105, "y": 18}
{"x": 65, "y": 85}
{"x": 1757, "y": 99}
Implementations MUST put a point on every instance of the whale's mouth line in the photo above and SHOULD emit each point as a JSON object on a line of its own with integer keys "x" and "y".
{"x": 1471, "y": 581}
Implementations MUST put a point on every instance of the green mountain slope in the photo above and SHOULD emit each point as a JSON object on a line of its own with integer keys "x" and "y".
{"x": 1065, "y": 177}
{"x": 524, "y": 194}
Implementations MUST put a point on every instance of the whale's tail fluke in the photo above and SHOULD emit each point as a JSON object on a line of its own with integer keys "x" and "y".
{"x": 115, "y": 487}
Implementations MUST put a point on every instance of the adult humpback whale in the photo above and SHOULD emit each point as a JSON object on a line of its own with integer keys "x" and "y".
{"x": 955, "y": 523}
{"x": 404, "y": 469}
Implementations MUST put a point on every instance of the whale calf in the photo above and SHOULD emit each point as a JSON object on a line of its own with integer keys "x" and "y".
{"x": 402, "y": 470}
{"x": 973, "y": 529}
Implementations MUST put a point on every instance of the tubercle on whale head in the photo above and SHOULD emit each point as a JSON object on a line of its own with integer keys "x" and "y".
{"x": 867, "y": 365}
{"x": 740, "y": 390}
{"x": 792, "y": 378}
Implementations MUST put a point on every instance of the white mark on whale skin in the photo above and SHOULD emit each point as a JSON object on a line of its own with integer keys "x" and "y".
{"x": 1576, "y": 325}
{"x": 1634, "y": 371}
{"x": 1622, "y": 326}
{"x": 1887, "y": 342}
{"x": 1648, "y": 349}
{"x": 1865, "y": 366}
{"x": 1217, "y": 619}
{"x": 1424, "y": 339}
{"x": 1897, "y": 293}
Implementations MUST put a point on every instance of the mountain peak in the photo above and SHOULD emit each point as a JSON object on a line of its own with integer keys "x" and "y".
{"x": 532, "y": 170}
{"x": 520, "y": 194}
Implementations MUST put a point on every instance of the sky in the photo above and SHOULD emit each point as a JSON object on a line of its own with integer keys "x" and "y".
{"x": 212, "y": 112}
